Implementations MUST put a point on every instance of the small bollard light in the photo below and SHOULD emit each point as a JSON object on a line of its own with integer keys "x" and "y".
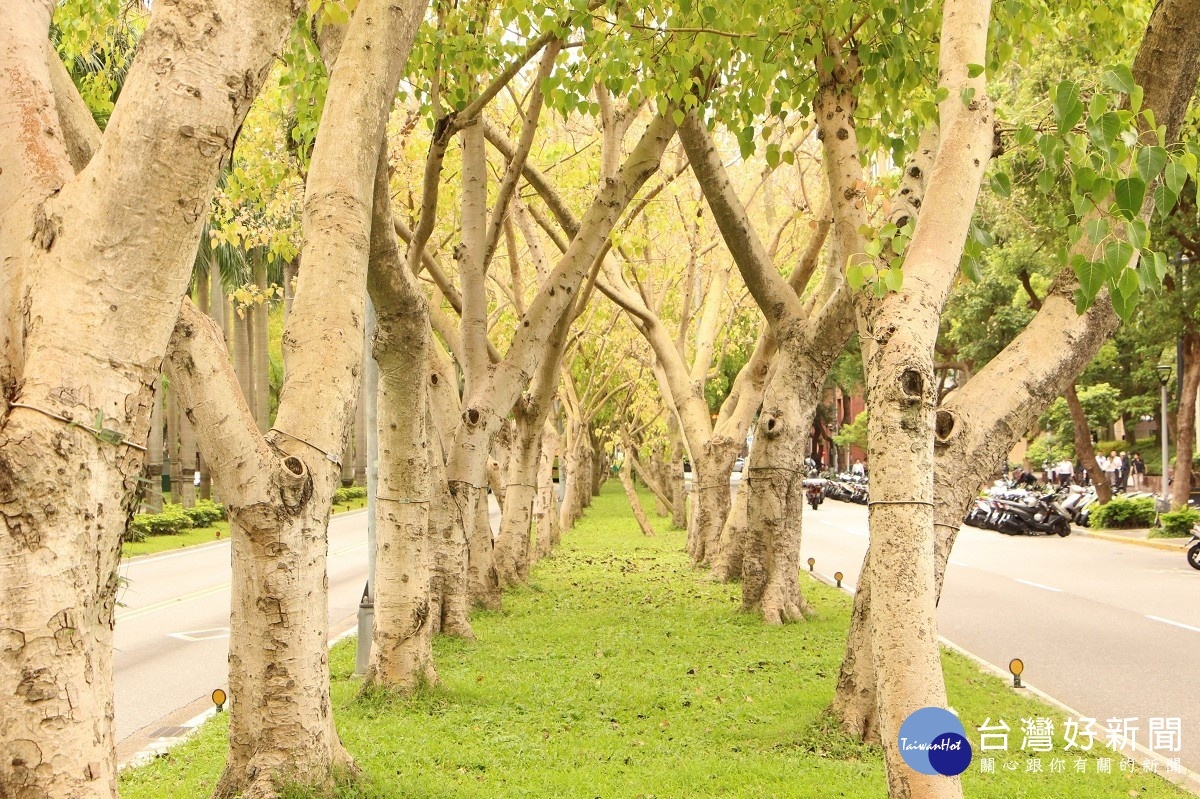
{"x": 811, "y": 562}
{"x": 1016, "y": 666}
{"x": 219, "y": 698}
{"x": 838, "y": 576}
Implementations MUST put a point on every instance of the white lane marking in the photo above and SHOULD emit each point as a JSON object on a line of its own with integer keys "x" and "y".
{"x": 1043, "y": 587}
{"x": 210, "y": 634}
{"x": 954, "y": 562}
{"x": 1175, "y": 623}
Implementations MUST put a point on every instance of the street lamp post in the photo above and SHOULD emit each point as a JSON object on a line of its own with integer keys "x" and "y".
{"x": 1164, "y": 377}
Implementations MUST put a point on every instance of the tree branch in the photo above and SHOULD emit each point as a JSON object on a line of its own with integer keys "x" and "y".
{"x": 777, "y": 301}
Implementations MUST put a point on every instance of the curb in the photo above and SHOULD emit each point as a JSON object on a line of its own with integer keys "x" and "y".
{"x": 1185, "y": 778}
{"x": 1162, "y": 544}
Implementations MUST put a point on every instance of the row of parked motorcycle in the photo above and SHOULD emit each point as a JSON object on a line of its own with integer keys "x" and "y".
{"x": 1006, "y": 508}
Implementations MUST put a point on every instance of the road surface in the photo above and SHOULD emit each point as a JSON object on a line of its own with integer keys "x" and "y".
{"x": 1110, "y": 629}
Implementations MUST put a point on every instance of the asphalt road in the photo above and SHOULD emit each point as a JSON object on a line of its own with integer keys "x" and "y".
{"x": 172, "y": 633}
{"x": 1110, "y": 629}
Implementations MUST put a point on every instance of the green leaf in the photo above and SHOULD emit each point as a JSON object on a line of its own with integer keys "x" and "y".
{"x": 1097, "y": 229}
{"x": 1177, "y": 174}
{"x": 1046, "y": 180}
{"x": 974, "y": 70}
{"x": 1150, "y": 161}
{"x": 1128, "y": 284}
{"x": 1160, "y": 265}
{"x": 967, "y": 95}
{"x": 1090, "y": 275}
{"x": 1138, "y": 233}
{"x": 1105, "y": 128}
{"x": 970, "y": 267}
{"x": 858, "y": 273}
{"x": 1129, "y": 194}
{"x": 1068, "y": 110}
{"x": 894, "y": 278}
{"x": 1119, "y": 78}
{"x": 1001, "y": 185}
{"x": 1117, "y": 255}
{"x": 1082, "y": 301}
{"x": 1124, "y": 304}
{"x": 1164, "y": 200}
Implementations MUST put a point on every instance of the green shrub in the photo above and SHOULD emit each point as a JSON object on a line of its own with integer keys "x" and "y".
{"x": 1123, "y": 512}
{"x": 171, "y": 520}
{"x": 1178, "y": 523}
{"x": 205, "y": 512}
{"x": 347, "y": 494}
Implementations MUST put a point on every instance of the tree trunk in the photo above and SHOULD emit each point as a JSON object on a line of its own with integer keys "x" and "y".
{"x": 978, "y": 425}
{"x": 729, "y": 562}
{"x": 278, "y": 487}
{"x": 1185, "y": 422}
{"x": 679, "y": 493}
{"x": 239, "y": 321}
{"x": 360, "y": 431}
{"x": 516, "y": 519}
{"x": 261, "y": 366}
{"x": 90, "y": 286}
{"x": 545, "y": 508}
{"x": 658, "y": 469}
{"x": 174, "y": 462}
{"x": 771, "y": 559}
{"x": 407, "y": 608}
{"x": 153, "y": 502}
{"x": 635, "y": 502}
{"x": 187, "y": 461}
{"x": 1084, "y": 449}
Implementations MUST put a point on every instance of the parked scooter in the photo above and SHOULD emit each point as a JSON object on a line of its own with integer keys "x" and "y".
{"x": 1193, "y": 550}
{"x": 1044, "y": 517}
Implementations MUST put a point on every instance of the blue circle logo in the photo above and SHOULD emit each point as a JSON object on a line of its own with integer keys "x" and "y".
{"x": 933, "y": 741}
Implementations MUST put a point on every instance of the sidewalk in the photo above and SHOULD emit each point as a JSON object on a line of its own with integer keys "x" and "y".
{"x": 1136, "y": 535}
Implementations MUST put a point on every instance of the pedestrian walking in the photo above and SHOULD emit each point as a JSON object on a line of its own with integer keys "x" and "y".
{"x": 1138, "y": 467}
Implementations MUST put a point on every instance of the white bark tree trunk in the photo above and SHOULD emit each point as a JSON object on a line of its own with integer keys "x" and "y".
{"x": 545, "y": 508}
{"x": 278, "y": 487}
{"x": 979, "y": 423}
{"x": 405, "y": 601}
{"x": 73, "y": 247}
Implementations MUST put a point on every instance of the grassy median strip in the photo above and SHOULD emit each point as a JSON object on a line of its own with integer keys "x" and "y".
{"x": 620, "y": 671}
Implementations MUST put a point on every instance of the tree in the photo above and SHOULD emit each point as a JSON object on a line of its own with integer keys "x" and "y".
{"x": 279, "y": 486}
{"x": 77, "y": 396}
{"x": 976, "y": 425}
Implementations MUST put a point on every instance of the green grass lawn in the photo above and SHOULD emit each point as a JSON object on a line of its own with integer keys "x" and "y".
{"x": 154, "y": 544}
{"x": 621, "y": 672}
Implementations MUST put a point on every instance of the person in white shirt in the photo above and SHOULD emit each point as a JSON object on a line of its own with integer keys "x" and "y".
{"x": 1065, "y": 471}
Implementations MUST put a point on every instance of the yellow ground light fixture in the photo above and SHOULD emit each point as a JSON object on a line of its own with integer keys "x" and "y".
{"x": 838, "y": 576}
{"x": 811, "y": 562}
{"x": 219, "y": 698}
{"x": 1016, "y": 666}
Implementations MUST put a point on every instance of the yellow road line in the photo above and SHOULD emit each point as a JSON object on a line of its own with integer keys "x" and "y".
{"x": 166, "y": 603}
